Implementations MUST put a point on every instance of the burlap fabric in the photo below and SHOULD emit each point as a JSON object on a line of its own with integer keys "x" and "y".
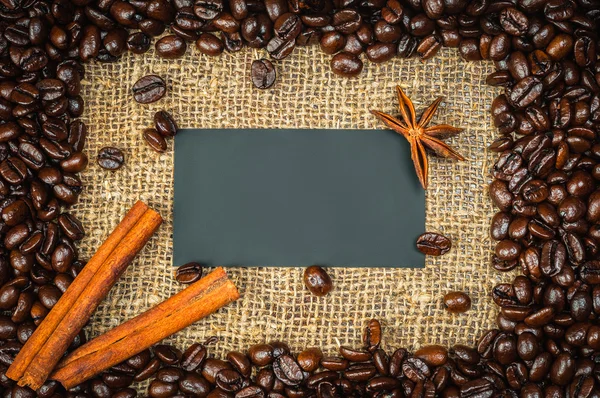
{"x": 217, "y": 92}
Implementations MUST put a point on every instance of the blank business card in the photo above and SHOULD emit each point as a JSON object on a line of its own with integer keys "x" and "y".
{"x": 273, "y": 197}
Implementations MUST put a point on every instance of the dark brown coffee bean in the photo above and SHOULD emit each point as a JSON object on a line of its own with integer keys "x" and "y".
{"x": 210, "y": 44}
{"x": 346, "y": 64}
{"x": 193, "y": 357}
{"x": 525, "y": 92}
{"x": 261, "y": 354}
{"x": 188, "y": 273}
{"x": 110, "y": 158}
{"x": 287, "y": 370}
{"x": 457, "y": 302}
{"x": 309, "y": 359}
{"x": 195, "y": 385}
{"x": 432, "y": 355}
{"x": 212, "y": 367}
{"x": 240, "y": 363}
{"x": 149, "y": 89}
{"x": 372, "y": 335}
{"x": 288, "y": 26}
{"x": 170, "y": 47}
{"x": 155, "y": 140}
{"x": 433, "y": 244}
{"x": 165, "y": 124}
{"x": 167, "y": 354}
{"x": 279, "y": 48}
{"x": 560, "y": 46}
{"x": 514, "y": 22}
{"x": 71, "y": 226}
{"x": 317, "y": 281}
{"x": 263, "y": 73}
{"x": 429, "y": 46}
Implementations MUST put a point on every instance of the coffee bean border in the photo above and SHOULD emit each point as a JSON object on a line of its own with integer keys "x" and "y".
{"x": 545, "y": 184}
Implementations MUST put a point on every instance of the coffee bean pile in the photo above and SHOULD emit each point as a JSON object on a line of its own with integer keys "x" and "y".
{"x": 547, "y": 340}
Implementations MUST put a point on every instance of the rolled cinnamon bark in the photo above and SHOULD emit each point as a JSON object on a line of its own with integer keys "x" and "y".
{"x": 98, "y": 287}
{"x": 71, "y": 296}
{"x": 181, "y": 310}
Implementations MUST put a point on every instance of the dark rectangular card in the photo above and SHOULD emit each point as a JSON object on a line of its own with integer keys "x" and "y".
{"x": 259, "y": 197}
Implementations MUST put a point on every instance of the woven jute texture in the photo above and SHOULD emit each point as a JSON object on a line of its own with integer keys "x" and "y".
{"x": 217, "y": 93}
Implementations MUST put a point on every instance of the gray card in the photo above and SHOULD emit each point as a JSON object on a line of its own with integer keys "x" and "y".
{"x": 296, "y": 197}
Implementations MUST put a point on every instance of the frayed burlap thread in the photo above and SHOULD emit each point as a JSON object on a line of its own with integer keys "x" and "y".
{"x": 217, "y": 92}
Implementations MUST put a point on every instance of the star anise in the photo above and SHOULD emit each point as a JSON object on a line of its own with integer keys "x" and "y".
{"x": 419, "y": 135}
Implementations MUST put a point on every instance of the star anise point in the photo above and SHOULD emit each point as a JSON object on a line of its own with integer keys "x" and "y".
{"x": 419, "y": 135}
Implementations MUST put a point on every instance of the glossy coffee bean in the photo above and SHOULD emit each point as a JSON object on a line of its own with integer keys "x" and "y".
{"x": 346, "y": 64}
{"x": 149, "y": 89}
{"x": 457, "y": 302}
{"x": 189, "y": 273}
{"x": 155, "y": 140}
{"x": 317, "y": 281}
{"x": 170, "y": 47}
{"x": 110, "y": 158}
{"x": 263, "y": 73}
{"x": 165, "y": 124}
{"x": 433, "y": 244}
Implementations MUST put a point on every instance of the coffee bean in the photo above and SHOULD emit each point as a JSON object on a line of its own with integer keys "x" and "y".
{"x": 210, "y": 44}
{"x": 287, "y": 370}
{"x": 263, "y": 73}
{"x": 188, "y": 273}
{"x": 212, "y": 367}
{"x": 317, "y": 281}
{"x": 457, "y": 302}
{"x": 309, "y": 359}
{"x": 167, "y": 354}
{"x": 165, "y": 124}
{"x": 433, "y": 244}
{"x": 261, "y": 354}
{"x": 155, "y": 140}
{"x": 110, "y": 158}
{"x": 372, "y": 335}
{"x": 149, "y": 89}
{"x": 346, "y": 64}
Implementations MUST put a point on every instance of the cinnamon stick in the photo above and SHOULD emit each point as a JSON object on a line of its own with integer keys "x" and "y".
{"x": 181, "y": 310}
{"x": 51, "y": 321}
{"x": 98, "y": 287}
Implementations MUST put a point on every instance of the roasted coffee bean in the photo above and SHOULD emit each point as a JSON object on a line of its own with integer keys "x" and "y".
{"x": 280, "y": 49}
{"x": 525, "y": 92}
{"x": 457, "y": 302}
{"x": 165, "y": 124}
{"x": 261, "y": 354}
{"x": 155, "y": 140}
{"x": 110, "y": 158}
{"x": 170, "y": 47}
{"x": 309, "y": 359}
{"x": 317, "y": 281}
{"x": 189, "y": 273}
{"x": 71, "y": 226}
{"x": 287, "y": 370}
{"x": 433, "y": 244}
{"x": 372, "y": 335}
{"x": 167, "y": 354}
{"x": 432, "y": 355}
{"x": 263, "y": 73}
{"x": 193, "y": 357}
{"x": 334, "y": 363}
{"x": 514, "y": 22}
{"x": 346, "y": 64}
{"x": 210, "y": 44}
{"x": 212, "y": 367}
{"x": 149, "y": 89}
{"x": 194, "y": 384}
{"x": 332, "y": 42}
